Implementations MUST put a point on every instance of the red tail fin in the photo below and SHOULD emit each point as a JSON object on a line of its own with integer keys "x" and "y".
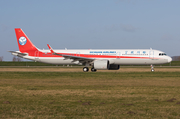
{"x": 25, "y": 45}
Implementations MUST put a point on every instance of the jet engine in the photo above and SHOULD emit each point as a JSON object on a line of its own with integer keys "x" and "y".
{"x": 114, "y": 67}
{"x": 101, "y": 64}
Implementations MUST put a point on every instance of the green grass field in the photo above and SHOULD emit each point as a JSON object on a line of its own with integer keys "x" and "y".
{"x": 90, "y": 95}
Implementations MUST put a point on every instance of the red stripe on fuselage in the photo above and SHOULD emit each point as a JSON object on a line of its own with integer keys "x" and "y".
{"x": 42, "y": 54}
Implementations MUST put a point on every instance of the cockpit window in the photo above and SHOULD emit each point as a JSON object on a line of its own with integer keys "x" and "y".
{"x": 162, "y": 54}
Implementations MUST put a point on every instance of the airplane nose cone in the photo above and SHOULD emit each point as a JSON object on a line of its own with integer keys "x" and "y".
{"x": 169, "y": 59}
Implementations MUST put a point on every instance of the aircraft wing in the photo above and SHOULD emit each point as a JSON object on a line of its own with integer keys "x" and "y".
{"x": 74, "y": 58}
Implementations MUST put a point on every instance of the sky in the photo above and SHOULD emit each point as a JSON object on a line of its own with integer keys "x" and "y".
{"x": 91, "y": 24}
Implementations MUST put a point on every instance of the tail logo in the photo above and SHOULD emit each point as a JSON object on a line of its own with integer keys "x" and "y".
{"x": 22, "y": 40}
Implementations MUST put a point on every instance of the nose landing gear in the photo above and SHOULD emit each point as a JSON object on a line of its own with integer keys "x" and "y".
{"x": 152, "y": 68}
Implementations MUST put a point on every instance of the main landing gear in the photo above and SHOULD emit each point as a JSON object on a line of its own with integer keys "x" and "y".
{"x": 152, "y": 68}
{"x": 93, "y": 70}
{"x": 86, "y": 69}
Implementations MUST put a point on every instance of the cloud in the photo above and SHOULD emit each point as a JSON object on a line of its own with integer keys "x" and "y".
{"x": 128, "y": 28}
{"x": 113, "y": 27}
{"x": 167, "y": 37}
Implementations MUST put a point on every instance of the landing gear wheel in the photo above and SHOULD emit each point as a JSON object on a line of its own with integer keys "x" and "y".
{"x": 93, "y": 70}
{"x": 152, "y": 70}
{"x": 85, "y": 69}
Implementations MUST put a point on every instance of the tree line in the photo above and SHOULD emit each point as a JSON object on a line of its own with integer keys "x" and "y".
{"x": 14, "y": 59}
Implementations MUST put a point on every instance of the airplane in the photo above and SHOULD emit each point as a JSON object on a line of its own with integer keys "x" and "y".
{"x": 97, "y": 59}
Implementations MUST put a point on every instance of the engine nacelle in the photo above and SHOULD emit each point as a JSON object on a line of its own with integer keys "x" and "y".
{"x": 101, "y": 64}
{"x": 114, "y": 67}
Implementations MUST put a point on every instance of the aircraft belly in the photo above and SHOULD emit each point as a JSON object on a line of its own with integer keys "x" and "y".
{"x": 55, "y": 61}
{"x": 139, "y": 61}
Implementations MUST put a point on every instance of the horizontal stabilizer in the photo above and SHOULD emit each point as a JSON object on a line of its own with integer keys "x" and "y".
{"x": 18, "y": 53}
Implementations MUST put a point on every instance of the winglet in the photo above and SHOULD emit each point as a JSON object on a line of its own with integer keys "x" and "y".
{"x": 52, "y": 51}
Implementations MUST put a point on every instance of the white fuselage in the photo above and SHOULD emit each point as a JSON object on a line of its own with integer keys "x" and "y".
{"x": 115, "y": 56}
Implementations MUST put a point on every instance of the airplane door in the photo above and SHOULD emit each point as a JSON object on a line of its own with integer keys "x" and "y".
{"x": 36, "y": 55}
{"x": 118, "y": 54}
{"x": 151, "y": 54}
{"x": 78, "y": 54}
